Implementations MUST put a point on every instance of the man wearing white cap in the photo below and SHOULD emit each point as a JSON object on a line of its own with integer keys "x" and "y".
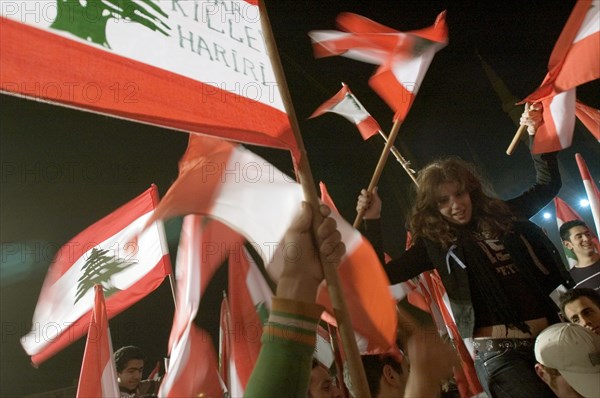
{"x": 568, "y": 357}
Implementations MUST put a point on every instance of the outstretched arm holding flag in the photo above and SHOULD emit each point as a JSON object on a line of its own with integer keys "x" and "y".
{"x": 289, "y": 336}
{"x": 575, "y": 60}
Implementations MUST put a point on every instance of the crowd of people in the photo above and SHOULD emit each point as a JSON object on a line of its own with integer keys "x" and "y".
{"x": 499, "y": 271}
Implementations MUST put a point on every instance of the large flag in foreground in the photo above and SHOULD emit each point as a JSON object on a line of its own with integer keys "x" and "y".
{"x": 404, "y": 57}
{"x": 187, "y": 65}
{"x": 575, "y": 60}
{"x": 344, "y": 103}
{"x": 251, "y": 196}
{"x": 113, "y": 252}
{"x": 591, "y": 189}
{"x": 98, "y": 377}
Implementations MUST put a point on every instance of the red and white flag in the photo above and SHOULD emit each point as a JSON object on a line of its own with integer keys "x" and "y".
{"x": 249, "y": 302}
{"x": 565, "y": 213}
{"x": 575, "y": 60}
{"x": 590, "y": 117}
{"x": 186, "y": 65}
{"x": 193, "y": 367}
{"x": 555, "y": 131}
{"x": 98, "y": 377}
{"x": 118, "y": 252}
{"x": 404, "y": 57}
{"x": 251, "y": 196}
{"x": 591, "y": 189}
{"x": 346, "y": 104}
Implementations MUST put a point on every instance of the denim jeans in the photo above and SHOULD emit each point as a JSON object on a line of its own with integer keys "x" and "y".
{"x": 510, "y": 373}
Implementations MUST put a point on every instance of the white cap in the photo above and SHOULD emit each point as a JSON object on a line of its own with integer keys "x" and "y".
{"x": 575, "y": 352}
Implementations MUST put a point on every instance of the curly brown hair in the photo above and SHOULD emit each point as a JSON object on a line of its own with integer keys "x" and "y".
{"x": 490, "y": 215}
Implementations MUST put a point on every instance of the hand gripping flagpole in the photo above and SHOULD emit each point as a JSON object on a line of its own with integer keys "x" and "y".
{"x": 379, "y": 169}
{"x": 342, "y": 316}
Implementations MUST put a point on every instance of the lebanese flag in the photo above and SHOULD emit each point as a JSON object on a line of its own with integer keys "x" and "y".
{"x": 255, "y": 199}
{"x": 346, "y": 104}
{"x": 591, "y": 189}
{"x": 250, "y": 303}
{"x": 204, "y": 69}
{"x": 555, "y": 131}
{"x": 193, "y": 368}
{"x": 575, "y": 60}
{"x": 565, "y": 213}
{"x": 124, "y": 252}
{"x": 98, "y": 377}
{"x": 590, "y": 117}
{"x": 404, "y": 57}
{"x": 202, "y": 250}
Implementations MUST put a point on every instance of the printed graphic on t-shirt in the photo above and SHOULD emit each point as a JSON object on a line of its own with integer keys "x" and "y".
{"x": 497, "y": 255}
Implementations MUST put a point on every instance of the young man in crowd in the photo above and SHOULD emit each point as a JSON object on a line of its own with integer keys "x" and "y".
{"x": 582, "y": 306}
{"x": 321, "y": 384}
{"x": 568, "y": 360}
{"x": 129, "y": 362}
{"x": 576, "y": 236}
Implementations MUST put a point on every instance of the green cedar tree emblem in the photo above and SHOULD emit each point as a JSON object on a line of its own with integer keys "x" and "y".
{"x": 99, "y": 269}
{"x": 88, "y": 18}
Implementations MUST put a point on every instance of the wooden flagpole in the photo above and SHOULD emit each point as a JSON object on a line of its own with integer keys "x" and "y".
{"x": 340, "y": 310}
{"x": 403, "y": 162}
{"x": 516, "y": 139}
{"x": 380, "y": 165}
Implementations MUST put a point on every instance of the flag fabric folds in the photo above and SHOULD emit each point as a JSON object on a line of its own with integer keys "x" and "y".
{"x": 151, "y": 61}
{"x": 202, "y": 249}
{"x": 403, "y": 57}
{"x": 249, "y": 303}
{"x": 250, "y": 195}
{"x": 575, "y": 60}
{"x": 113, "y": 252}
{"x": 591, "y": 189}
{"x": 98, "y": 377}
{"x": 346, "y": 104}
{"x": 590, "y": 117}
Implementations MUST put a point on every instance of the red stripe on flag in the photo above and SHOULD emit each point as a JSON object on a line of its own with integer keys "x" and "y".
{"x": 247, "y": 327}
{"x": 581, "y": 65}
{"x": 98, "y": 377}
{"x": 368, "y": 128}
{"x": 590, "y": 117}
{"x": 387, "y": 86}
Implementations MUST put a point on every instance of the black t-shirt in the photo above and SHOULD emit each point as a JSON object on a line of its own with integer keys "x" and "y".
{"x": 587, "y": 276}
{"x": 525, "y": 303}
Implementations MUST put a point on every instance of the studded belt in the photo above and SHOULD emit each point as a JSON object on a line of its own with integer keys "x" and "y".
{"x": 483, "y": 344}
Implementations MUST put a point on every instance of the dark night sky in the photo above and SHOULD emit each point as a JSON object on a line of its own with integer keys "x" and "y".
{"x": 62, "y": 170}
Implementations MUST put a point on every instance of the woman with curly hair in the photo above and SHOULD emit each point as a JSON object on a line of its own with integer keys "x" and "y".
{"x": 497, "y": 267}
